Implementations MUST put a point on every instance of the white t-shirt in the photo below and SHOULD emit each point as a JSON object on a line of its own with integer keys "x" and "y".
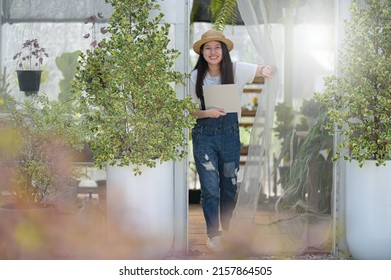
{"x": 244, "y": 73}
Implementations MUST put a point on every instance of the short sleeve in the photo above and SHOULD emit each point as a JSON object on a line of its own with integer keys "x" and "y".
{"x": 192, "y": 89}
{"x": 244, "y": 73}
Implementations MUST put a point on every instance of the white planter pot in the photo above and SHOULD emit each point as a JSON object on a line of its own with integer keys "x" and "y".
{"x": 368, "y": 210}
{"x": 142, "y": 208}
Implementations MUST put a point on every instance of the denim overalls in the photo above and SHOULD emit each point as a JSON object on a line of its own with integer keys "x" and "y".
{"x": 216, "y": 149}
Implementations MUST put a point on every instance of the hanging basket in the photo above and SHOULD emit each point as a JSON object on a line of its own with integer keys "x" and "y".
{"x": 29, "y": 81}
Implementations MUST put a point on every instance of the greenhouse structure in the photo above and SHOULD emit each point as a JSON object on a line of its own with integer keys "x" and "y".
{"x": 294, "y": 198}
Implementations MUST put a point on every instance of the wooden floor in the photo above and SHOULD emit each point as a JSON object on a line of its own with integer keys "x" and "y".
{"x": 197, "y": 231}
{"x": 269, "y": 239}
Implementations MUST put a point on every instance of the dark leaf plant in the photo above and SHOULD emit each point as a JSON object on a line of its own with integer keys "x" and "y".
{"x": 359, "y": 97}
{"x": 125, "y": 90}
{"x": 31, "y": 56}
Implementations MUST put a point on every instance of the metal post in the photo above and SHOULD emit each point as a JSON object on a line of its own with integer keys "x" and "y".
{"x": 179, "y": 18}
{"x": 340, "y": 247}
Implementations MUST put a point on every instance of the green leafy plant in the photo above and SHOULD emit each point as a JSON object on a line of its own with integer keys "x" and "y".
{"x": 223, "y": 12}
{"x": 39, "y": 139}
{"x": 219, "y": 12}
{"x": 284, "y": 128}
{"x": 286, "y": 125}
{"x": 309, "y": 182}
{"x": 359, "y": 98}
{"x": 5, "y": 91}
{"x": 125, "y": 90}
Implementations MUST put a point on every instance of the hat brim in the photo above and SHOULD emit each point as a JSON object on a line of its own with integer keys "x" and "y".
{"x": 197, "y": 45}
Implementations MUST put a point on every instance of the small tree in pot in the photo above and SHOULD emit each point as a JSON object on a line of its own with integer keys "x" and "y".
{"x": 124, "y": 87}
{"x": 359, "y": 107}
{"x": 359, "y": 98}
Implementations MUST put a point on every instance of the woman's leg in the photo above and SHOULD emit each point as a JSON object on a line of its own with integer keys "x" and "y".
{"x": 229, "y": 167}
{"x": 206, "y": 161}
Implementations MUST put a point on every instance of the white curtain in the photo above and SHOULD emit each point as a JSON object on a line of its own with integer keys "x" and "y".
{"x": 258, "y": 227}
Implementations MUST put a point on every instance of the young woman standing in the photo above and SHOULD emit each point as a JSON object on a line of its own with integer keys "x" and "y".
{"x": 216, "y": 143}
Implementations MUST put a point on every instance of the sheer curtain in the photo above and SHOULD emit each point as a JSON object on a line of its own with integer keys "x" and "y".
{"x": 259, "y": 226}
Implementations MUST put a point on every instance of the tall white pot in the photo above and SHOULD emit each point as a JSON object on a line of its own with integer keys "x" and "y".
{"x": 368, "y": 210}
{"x": 142, "y": 208}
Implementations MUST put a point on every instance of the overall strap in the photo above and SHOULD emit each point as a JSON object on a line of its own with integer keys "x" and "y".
{"x": 202, "y": 102}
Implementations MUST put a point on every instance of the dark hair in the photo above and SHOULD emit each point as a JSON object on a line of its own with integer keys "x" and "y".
{"x": 226, "y": 70}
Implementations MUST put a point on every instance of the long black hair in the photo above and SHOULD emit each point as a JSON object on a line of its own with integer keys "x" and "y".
{"x": 226, "y": 70}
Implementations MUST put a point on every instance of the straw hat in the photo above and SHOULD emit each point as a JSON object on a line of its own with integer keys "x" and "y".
{"x": 212, "y": 35}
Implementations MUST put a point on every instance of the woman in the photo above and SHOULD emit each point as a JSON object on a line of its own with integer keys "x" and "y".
{"x": 216, "y": 143}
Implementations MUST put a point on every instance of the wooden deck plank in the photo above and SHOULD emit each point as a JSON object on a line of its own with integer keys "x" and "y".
{"x": 267, "y": 240}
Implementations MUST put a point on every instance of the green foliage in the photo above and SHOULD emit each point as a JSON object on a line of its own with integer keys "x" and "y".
{"x": 286, "y": 125}
{"x": 39, "y": 138}
{"x": 310, "y": 179}
{"x": 284, "y": 120}
{"x": 5, "y": 91}
{"x": 67, "y": 63}
{"x": 307, "y": 181}
{"x": 125, "y": 90}
{"x": 359, "y": 98}
{"x": 223, "y": 12}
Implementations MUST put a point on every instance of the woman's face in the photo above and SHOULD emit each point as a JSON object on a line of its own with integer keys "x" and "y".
{"x": 212, "y": 52}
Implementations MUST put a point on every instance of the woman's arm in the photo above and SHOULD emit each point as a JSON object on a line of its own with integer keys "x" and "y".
{"x": 210, "y": 113}
{"x": 265, "y": 71}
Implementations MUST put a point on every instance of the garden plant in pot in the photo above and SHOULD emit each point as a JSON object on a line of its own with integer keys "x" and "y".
{"x": 359, "y": 108}
{"x": 309, "y": 181}
{"x": 125, "y": 91}
{"x": 29, "y": 62}
{"x": 39, "y": 138}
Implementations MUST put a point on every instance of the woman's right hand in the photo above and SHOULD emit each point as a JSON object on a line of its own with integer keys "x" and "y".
{"x": 265, "y": 71}
{"x": 215, "y": 112}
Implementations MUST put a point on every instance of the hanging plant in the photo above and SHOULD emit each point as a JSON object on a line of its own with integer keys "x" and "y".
{"x": 29, "y": 61}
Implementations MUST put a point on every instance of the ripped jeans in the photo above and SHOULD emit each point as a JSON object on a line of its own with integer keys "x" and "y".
{"x": 216, "y": 150}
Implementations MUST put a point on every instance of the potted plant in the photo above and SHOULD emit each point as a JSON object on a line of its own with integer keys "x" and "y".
{"x": 125, "y": 90}
{"x": 29, "y": 61}
{"x": 285, "y": 129}
{"x": 309, "y": 181}
{"x": 39, "y": 140}
{"x": 359, "y": 108}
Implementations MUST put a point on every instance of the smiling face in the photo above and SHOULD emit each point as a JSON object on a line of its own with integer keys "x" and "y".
{"x": 212, "y": 52}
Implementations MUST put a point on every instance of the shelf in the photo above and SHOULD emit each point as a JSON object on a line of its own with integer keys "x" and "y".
{"x": 244, "y": 150}
{"x": 259, "y": 80}
{"x": 248, "y": 113}
{"x": 252, "y": 90}
{"x": 246, "y": 125}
